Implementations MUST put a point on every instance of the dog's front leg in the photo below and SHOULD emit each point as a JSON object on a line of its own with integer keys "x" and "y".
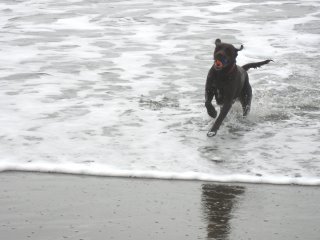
{"x": 209, "y": 94}
{"x": 223, "y": 113}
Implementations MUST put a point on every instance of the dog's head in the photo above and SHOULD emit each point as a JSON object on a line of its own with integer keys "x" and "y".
{"x": 225, "y": 55}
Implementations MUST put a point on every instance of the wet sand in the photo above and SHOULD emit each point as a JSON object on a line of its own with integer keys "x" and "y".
{"x": 56, "y": 206}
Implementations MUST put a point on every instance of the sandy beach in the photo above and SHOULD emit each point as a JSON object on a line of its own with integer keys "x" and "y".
{"x": 59, "y": 206}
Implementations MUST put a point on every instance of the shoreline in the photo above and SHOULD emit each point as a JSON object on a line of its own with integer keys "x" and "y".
{"x": 62, "y": 206}
{"x": 171, "y": 176}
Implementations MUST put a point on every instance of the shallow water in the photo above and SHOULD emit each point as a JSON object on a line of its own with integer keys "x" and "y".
{"x": 116, "y": 88}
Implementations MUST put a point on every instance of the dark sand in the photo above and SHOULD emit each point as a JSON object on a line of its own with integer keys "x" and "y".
{"x": 56, "y": 206}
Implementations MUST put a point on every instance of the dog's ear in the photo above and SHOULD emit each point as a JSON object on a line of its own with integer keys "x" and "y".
{"x": 239, "y": 49}
{"x": 218, "y": 41}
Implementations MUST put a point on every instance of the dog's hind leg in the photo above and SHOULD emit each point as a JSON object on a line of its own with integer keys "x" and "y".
{"x": 246, "y": 97}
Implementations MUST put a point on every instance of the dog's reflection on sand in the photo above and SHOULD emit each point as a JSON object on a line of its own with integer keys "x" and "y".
{"x": 218, "y": 202}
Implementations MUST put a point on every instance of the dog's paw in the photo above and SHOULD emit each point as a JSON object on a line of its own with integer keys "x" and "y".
{"x": 213, "y": 114}
{"x": 246, "y": 111}
{"x": 211, "y": 111}
{"x": 211, "y": 133}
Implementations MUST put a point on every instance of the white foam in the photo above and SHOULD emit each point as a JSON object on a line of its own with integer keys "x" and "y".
{"x": 102, "y": 170}
{"x": 78, "y": 23}
{"x": 224, "y": 7}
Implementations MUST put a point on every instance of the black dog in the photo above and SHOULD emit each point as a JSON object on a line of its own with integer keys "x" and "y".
{"x": 227, "y": 82}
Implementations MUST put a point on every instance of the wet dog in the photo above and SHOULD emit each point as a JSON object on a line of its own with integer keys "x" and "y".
{"x": 227, "y": 82}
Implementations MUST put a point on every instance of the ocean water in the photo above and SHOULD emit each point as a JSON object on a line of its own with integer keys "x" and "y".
{"x": 116, "y": 88}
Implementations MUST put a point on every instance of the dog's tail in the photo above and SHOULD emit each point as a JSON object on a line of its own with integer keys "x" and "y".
{"x": 255, "y": 65}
